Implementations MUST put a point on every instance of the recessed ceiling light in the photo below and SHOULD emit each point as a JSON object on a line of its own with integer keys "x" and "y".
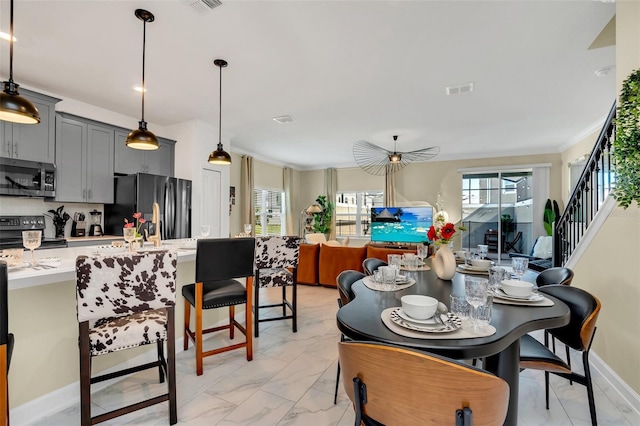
{"x": 139, "y": 89}
{"x": 283, "y": 119}
{"x": 459, "y": 88}
{"x": 6, "y": 36}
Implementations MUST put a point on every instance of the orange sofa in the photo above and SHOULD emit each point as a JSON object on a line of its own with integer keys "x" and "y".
{"x": 321, "y": 264}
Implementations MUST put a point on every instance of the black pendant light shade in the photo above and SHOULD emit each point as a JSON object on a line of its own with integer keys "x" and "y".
{"x": 220, "y": 156}
{"x": 14, "y": 107}
{"x": 143, "y": 138}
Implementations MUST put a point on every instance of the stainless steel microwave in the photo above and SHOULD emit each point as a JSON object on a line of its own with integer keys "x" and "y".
{"x": 27, "y": 178}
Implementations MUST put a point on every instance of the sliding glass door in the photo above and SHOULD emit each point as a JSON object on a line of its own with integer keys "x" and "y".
{"x": 497, "y": 210}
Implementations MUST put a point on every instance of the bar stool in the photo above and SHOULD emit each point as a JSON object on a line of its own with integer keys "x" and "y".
{"x": 125, "y": 301}
{"x": 6, "y": 344}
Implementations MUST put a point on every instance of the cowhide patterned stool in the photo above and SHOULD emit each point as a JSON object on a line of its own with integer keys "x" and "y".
{"x": 277, "y": 266}
{"x": 219, "y": 261}
{"x": 125, "y": 301}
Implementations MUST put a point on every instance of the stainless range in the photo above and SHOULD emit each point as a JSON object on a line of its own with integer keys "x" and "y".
{"x": 11, "y": 228}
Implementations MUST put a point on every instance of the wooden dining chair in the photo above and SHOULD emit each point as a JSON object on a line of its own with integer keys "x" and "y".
{"x": 370, "y": 264}
{"x": 125, "y": 301}
{"x": 220, "y": 262}
{"x": 6, "y": 344}
{"x": 578, "y": 335}
{"x": 396, "y": 386}
{"x": 276, "y": 265}
{"x": 345, "y": 280}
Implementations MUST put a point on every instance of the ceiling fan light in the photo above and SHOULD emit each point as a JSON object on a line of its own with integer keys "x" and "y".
{"x": 220, "y": 156}
{"x": 142, "y": 138}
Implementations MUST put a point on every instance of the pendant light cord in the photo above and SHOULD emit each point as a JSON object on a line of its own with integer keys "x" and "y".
{"x": 11, "y": 44}
{"x": 144, "y": 41}
{"x": 220, "y": 113}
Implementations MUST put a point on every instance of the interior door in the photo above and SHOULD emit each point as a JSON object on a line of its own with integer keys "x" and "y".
{"x": 211, "y": 196}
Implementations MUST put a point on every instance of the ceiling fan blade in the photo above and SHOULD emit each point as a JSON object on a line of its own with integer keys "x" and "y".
{"x": 371, "y": 158}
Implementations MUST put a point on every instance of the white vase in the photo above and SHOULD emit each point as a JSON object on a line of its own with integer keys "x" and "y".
{"x": 444, "y": 263}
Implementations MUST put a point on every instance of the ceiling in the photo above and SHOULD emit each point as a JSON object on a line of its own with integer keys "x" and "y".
{"x": 343, "y": 70}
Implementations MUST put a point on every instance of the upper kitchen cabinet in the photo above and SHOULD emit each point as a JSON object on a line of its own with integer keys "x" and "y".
{"x": 130, "y": 161}
{"x": 84, "y": 160}
{"x": 35, "y": 142}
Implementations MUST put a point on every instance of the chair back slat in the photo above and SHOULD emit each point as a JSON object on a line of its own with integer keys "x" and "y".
{"x": 277, "y": 252}
{"x": 220, "y": 259}
{"x": 345, "y": 280}
{"x": 123, "y": 284}
{"x": 405, "y": 387}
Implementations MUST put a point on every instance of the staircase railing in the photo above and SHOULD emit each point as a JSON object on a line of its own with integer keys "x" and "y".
{"x": 593, "y": 187}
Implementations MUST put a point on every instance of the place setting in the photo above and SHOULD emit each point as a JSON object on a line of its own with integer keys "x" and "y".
{"x": 414, "y": 261}
{"x": 515, "y": 291}
{"x": 424, "y": 317}
{"x": 474, "y": 261}
{"x": 388, "y": 278}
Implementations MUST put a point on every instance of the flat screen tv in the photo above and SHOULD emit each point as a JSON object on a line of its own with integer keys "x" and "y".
{"x": 400, "y": 224}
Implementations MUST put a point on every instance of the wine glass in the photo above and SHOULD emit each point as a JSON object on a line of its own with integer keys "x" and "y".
{"x": 421, "y": 253}
{"x": 129, "y": 235}
{"x": 519, "y": 266}
{"x": 205, "y": 230}
{"x": 247, "y": 229}
{"x": 476, "y": 295}
{"x": 31, "y": 241}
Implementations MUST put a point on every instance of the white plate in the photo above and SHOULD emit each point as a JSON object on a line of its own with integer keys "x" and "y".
{"x": 402, "y": 279}
{"x": 474, "y": 268}
{"x": 50, "y": 261}
{"x": 404, "y": 316}
{"x": 531, "y": 298}
{"x": 451, "y": 323}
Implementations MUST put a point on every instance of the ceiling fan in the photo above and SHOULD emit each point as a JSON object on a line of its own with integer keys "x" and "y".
{"x": 379, "y": 161}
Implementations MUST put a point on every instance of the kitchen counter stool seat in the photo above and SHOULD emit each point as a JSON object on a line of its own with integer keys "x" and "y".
{"x": 126, "y": 301}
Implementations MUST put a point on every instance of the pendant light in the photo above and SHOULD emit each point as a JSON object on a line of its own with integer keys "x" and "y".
{"x": 143, "y": 138}
{"x": 220, "y": 156}
{"x": 14, "y": 107}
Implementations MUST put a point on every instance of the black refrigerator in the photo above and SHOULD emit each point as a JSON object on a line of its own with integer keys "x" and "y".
{"x": 137, "y": 193}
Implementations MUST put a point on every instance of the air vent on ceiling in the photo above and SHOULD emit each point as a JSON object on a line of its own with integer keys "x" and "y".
{"x": 283, "y": 119}
{"x": 460, "y": 88}
{"x": 202, "y": 6}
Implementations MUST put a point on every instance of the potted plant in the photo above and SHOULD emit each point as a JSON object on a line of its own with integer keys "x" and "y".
{"x": 506, "y": 222}
{"x": 322, "y": 219}
{"x": 626, "y": 146}
{"x": 551, "y": 216}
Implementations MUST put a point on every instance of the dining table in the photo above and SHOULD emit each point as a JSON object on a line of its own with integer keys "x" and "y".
{"x": 361, "y": 319}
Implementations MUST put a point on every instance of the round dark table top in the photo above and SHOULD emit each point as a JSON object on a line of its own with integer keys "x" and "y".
{"x": 360, "y": 319}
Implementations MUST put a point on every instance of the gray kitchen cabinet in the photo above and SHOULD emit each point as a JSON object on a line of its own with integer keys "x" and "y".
{"x": 129, "y": 161}
{"x": 84, "y": 160}
{"x": 35, "y": 142}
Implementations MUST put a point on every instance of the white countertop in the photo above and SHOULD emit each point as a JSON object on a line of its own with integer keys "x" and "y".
{"x": 30, "y": 277}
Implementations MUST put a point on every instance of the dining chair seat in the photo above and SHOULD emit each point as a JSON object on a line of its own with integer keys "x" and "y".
{"x": 217, "y": 294}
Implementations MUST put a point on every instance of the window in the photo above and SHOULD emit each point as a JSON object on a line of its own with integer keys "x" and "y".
{"x": 353, "y": 212}
{"x": 269, "y": 212}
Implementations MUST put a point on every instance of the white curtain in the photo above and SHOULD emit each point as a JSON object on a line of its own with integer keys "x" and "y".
{"x": 246, "y": 191}
{"x": 287, "y": 184}
{"x": 331, "y": 189}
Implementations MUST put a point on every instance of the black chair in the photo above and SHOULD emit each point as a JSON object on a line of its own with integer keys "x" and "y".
{"x": 578, "y": 334}
{"x": 345, "y": 280}
{"x": 125, "y": 301}
{"x": 276, "y": 265}
{"x": 6, "y": 343}
{"x": 370, "y": 264}
{"x": 397, "y": 386}
{"x": 219, "y": 261}
{"x": 511, "y": 245}
{"x": 557, "y": 276}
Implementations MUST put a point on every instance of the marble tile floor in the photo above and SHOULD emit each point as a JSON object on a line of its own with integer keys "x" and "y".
{"x": 292, "y": 377}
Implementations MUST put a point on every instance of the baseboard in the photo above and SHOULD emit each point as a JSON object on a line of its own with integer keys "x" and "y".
{"x": 617, "y": 384}
{"x": 53, "y": 402}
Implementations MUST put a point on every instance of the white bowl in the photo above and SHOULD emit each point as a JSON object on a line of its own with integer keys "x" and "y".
{"x": 481, "y": 263}
{"x": 517, "y": 288}
{"x": 419, "y": 307}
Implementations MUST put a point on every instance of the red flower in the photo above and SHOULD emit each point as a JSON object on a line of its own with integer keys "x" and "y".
{"x": 137, "y": 215}
{"x": 142, "y": 220}
{"x": 447, "y": 231}
{"x": 128, "y": 224}
{"x": 431, "y": 234}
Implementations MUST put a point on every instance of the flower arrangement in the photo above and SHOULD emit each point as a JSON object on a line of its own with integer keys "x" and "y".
{"x": 139, "y": 220}
{"x": 441, "y": 232}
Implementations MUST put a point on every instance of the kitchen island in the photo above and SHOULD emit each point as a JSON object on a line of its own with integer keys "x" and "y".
{"x": 42, "y": 315}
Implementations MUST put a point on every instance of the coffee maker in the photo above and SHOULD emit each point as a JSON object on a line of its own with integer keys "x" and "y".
{"x": 95, "y": 230}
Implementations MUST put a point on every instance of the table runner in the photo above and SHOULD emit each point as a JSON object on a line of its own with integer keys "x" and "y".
{"x": 461, "y": 333}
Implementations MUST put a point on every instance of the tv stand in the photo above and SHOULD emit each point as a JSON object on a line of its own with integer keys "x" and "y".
{"x": 400, "y": 246}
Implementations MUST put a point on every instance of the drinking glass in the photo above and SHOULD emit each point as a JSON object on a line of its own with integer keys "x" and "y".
{"x": 394, "y": 260}
{"x": 389, "y": 274}
{"x": 483, "y": 249}
{"x": 409, "y": 260}
{"x": 129, "y": 235}
{"x": 519, "y": 266}
{"x": 377, "y": 276}
{"x": 205, "y": 230}
{"x": 31, "y": 241}
{"x": 459, "y": 306}
{"x": 476, "y": 294}
{"x": 496, "y": 275}
{"x": 421, "y": 253}
{"x": 247, "y": 229}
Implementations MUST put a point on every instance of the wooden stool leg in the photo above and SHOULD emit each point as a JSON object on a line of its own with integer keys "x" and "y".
{"x": 248, "y": 320}
{"x": 198, "y": 339}
{"x": 295, "y": 308}
{"x": 171, "y": 366}
{"x": 256, "y": 305}
{"x": 187, "y": 318}
{"x": 232, "y": 317}
{"x": 4, "y": 386}
{"x": 85, "y": 375}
